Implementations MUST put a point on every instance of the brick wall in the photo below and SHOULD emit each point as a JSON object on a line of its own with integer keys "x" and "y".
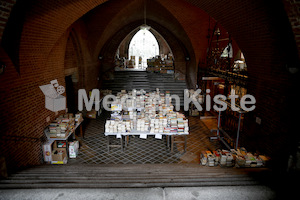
{"x": 292, "y": 8}
{"x": 23, "y": 113}
{"x": 265, "y": 37}
{"x": 22, "y": 104}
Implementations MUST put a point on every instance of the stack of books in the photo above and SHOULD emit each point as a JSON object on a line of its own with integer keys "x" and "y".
{"x": 62, "y": 126}
{"x": 78, "y": 118}
{"x": 223, "y": 158}
{"x": 210, "y": 159}
{"x": 149, "y": 112}
{"x": 203, "y": 158}
{"x": 180, "y": 125}
{"x": 217, "y": 157}
{"x": 54, "y": 128}
{"x": 237, "y": 158}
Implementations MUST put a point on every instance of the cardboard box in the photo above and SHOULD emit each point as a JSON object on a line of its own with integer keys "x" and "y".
{"x": 47, "y": 151}
{"x": 73, "y": 149}
{"x": 91, "y": 114}
{"x": 59, "y": 155}
{"x": 64, "y": 161}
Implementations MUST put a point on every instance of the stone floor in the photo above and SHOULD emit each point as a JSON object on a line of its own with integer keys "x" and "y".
{"x": 144, "y": 151}
{"x": 188, "y": 193}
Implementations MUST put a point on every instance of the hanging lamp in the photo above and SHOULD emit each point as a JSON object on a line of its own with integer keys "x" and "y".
{"x": 145, "y": 26}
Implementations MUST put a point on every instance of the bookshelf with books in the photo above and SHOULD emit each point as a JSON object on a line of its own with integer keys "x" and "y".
{"x": 58, "y": 132}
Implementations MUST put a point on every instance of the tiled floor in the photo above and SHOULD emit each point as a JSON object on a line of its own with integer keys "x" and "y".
{"x": 140, "y": 151}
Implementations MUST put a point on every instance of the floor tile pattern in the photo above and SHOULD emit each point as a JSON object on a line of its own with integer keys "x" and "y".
{"x": 94, "y": 150}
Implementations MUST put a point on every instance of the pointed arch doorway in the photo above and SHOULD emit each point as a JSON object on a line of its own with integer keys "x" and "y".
{"x": 142, "y": 46}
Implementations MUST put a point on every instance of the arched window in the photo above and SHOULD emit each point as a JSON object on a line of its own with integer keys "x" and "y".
{"x": 143, "y": 46}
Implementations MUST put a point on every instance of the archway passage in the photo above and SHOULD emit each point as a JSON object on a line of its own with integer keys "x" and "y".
{"x": 157, "y": 49}
{"x": 142, "y": 46}
{"x": 35, "y": 41}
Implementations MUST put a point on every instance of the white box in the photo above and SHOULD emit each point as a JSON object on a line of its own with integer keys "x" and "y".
{"x": 47, "y": 151}
{"x": 73, "y": 149}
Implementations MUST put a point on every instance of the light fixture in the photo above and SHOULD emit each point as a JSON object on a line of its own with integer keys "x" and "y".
{"x": 145, "y": 26}
{"x": 218, "y": 32}
{"x": 2, "y": 67}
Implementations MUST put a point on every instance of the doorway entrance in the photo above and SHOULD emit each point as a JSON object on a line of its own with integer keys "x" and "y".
{"x": 71, "y": 97}
{"x": 143, "y": 46}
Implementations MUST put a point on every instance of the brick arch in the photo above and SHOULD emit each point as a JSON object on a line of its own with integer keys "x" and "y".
{"x": 155, "y": 13}
{"x": 74, "y": 58}
{"x": 258, "y": 29}
{"x": 180, "y": 52}
{"x": 45, "y": 24}
{"x": 162, "y": 42}
{"x": 86, "y": 66}
{"x": 124, "y": 46}
{"x": 50, "y": 15}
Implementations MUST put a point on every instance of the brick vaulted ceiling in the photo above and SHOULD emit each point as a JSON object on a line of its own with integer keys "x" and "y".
{"x": 38, "y": 25}
{"x": 261, "y": 30}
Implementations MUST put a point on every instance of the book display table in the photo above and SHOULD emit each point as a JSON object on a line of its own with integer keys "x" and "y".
{"x": 142, "y": 114}
{"x": 56, "y": 149}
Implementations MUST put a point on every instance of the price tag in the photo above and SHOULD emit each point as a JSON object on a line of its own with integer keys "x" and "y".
{"x": 143, "y": 136}
{"x": 158, "y": 136}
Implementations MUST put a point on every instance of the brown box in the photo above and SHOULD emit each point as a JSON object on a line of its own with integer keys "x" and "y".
{"x": 91, "y": 114}
{"x": 59, "y": 155}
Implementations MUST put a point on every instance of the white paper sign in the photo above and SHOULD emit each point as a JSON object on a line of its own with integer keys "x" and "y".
{"x": 119, "y": 136}
{"x": 158, "y": 136}
{"x": 143, "y": 136}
